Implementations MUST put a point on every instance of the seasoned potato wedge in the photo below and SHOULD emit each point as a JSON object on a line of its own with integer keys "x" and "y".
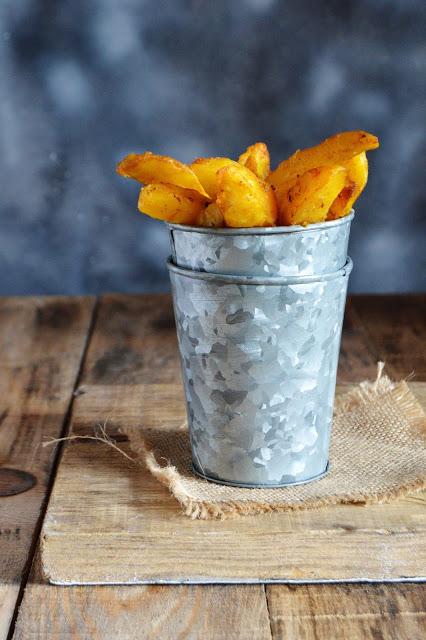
{"x": 357, "y": 168}
{"x": 211, "y": 216}
{"x": 333, "y": 151}
{"x": 170, "y": 202}
{"x": 311, "y": 195}
{"x": 244, "y": 200}
{"x": 151, "y": 168}
{"x": 256, "y": 158}
{"x": 339, "y": 208}
{"x": 206, "y": 171}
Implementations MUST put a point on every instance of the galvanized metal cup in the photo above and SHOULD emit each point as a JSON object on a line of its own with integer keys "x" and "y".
{"x": 270, "y": 251}
{"x": 259, "y": 350}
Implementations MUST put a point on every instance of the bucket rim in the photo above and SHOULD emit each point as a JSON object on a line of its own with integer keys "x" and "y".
{"x": 224, "y": 278}
{"x": 262, "y": 231}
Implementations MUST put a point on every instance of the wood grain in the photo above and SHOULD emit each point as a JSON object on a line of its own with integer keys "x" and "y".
{"x": 357, "y": 359}
{"x": 347, "y": 612}
{"x": 151, "y": 612}
{"x": 41, "y": 344}
{"x": 396, "y": 326}
{"x": 8, "y": 597}
{"x": 134, "y": 342}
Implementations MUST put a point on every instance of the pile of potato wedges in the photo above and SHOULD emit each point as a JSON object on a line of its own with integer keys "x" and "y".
{"x": 313, "y": 185}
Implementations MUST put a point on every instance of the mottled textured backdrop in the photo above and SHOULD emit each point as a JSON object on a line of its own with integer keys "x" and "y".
{"x": 83, "y": 83}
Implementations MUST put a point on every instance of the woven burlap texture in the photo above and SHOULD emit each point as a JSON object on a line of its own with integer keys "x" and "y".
{"x": 377, "y": 454}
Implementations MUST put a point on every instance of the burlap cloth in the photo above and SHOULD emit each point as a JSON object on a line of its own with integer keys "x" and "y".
{"x": 377, "y": 454}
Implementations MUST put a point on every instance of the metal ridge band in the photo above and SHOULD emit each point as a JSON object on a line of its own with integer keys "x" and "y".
{"x": 255, "y": 280}
{"x": 261, "y": 231}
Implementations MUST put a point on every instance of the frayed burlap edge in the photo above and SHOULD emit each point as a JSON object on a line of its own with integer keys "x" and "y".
{"x": 363, "y": 394}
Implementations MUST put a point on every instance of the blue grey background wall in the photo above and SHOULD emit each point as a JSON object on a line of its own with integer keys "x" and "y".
{"x": 84, "y": 83}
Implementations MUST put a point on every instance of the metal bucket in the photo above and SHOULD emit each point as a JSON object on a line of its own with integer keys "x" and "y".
{"x": 259, "y": 354}
{"x": 270, "y": 251}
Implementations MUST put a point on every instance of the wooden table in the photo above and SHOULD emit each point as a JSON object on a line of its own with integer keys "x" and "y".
{"x": 50, "y": 348}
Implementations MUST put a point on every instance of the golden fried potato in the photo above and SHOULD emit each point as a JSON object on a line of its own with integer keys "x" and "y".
{"x": 311, "y": 195}
{"x": 211, "y": 216}
{"x": 256, "y": 158}
{"x": 244, "y": 200}
{"x": 171, "y": 203}
{"x": 333, "y": 151}
{"x": 151, "y": 168}
{"x": 357, "y": 169}
{"x": 206, "y": 171}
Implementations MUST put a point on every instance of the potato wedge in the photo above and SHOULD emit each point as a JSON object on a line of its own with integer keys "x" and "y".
{"x": 244, "y": 200}
{"x": 211, "y": 216}
{"x": 206, "y": 171}
{"x": 256, "y": 158}
{"x": 333, "y": 151}
{"x": 357, "y": 169}
{"x": 151, "y": 168}
{"x": 309, "y": 198}
{"x": 171, "y": 203}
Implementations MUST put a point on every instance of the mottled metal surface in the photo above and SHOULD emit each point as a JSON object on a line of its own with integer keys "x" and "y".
{"x": 259, "y": 359}
{"x": 273, "y": 251}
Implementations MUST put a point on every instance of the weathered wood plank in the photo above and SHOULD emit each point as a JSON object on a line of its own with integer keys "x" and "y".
{"x": 357, "y": 359}
{"x": 8, "y": 597}
{"x": 41, "y": 345}
{"x": 347, "y": 612}
{"x": 396, "y": 326}
{"x": 111, "y": 509}
{"x": 151, "y": 612}
{"x": 134, "y": 342}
